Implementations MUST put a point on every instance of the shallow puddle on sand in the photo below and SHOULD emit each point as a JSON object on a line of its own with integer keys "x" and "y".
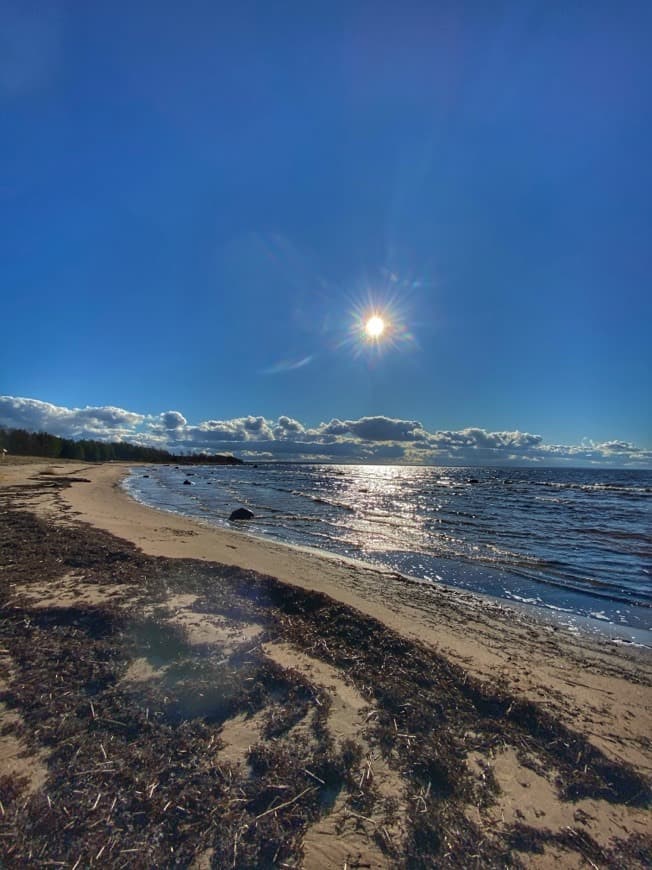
{"x": 205, "y": 628}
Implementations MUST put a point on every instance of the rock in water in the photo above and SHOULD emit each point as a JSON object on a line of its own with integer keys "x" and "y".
{"x": 187, "y": 483}
{"x": 241, "y": 514}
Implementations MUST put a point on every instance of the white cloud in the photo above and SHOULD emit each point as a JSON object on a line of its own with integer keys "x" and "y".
{"x": 286, "y": 427}
{"x": 173, "y": 420}
{"x": 375, "y": 429}
{"x": 89, "y": 422}
{"x": 475, "y": 438}
{"x": 368, "y": 439}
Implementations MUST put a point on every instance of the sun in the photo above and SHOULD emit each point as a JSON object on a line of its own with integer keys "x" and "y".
{"x": 378, "y": 322}
{"x": 374, "y": 326}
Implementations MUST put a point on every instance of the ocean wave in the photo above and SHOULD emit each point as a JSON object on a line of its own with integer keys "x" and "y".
{"x": 539, "y": 529}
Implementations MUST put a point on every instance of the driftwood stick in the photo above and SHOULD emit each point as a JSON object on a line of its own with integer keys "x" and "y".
{"x": 287, "y": 803}
{"x": 364, "y": 818}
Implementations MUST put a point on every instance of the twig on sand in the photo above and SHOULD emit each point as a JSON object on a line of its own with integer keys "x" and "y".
{"x": 238, "y": 835}
{"x": 287, "y": 803}
{"x": 313, "y": 775}
{"x": 573, "y": 833}
{"x": 362, "y": 818}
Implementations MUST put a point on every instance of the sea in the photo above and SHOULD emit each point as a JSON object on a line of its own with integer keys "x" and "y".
{"x": 572, "y": 546}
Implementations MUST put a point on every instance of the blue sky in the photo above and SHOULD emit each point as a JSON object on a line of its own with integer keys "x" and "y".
{"x": 198, "y": 204}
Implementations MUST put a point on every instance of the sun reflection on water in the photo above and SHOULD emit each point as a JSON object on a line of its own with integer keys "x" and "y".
{"x": 382, "y": 514}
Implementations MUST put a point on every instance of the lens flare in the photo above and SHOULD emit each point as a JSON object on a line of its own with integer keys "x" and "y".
{"x": 374, "y": 326}
{"x": 378, "y": 319}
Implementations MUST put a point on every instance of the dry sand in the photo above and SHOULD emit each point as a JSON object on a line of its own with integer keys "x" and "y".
{"x": 599, "y": 690}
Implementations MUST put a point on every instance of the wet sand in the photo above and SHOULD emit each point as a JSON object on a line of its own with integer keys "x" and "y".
{"x": 505, "y": 696}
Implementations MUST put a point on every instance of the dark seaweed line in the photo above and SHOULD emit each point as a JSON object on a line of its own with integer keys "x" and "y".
{"x": 382, "y": 665}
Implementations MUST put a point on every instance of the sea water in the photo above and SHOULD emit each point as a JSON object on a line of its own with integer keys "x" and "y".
{"x": 575, "y": 543}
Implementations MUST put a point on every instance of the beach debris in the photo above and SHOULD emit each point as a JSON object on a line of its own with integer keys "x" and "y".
{"x": 241, "y": 514}
{"x": 134, "y": 775}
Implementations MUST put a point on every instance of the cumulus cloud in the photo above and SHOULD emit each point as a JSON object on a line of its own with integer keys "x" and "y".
{"x": 367, "y": 439}
{"x": 617, "y": 446}
{"x": 475, "y": 438}
{"x": 286, "y": 427}
{"x": 90, "y": 422}
{"x": 376, "y": 429}
{"x": 173, "y": 420}
{"x": 237, "y": 429}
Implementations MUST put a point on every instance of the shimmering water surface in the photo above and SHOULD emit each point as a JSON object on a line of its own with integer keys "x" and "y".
{"x": 575, "y": 542}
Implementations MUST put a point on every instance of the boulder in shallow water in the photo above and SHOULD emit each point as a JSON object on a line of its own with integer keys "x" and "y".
{"x": 187, "y": 483}
{"x": 241, "y": 514}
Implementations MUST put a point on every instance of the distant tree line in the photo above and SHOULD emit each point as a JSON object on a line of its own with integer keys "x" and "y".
{"x": 20, "y": 442}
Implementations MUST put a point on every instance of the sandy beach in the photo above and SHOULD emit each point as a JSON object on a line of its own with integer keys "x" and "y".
{"x": 177, "y": 695}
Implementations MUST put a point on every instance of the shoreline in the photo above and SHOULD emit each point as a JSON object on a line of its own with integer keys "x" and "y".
{"x": 106, "y": 505}
{"x": 479, "y": 633}
{"x": 601, "y": 692}
{"x": 596, "y": 605}
{"x": 590, "y": 627}
{"x": 299, "y": 565}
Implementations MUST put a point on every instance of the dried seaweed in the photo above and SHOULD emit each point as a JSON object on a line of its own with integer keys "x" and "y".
{"x": 134, "y": 775}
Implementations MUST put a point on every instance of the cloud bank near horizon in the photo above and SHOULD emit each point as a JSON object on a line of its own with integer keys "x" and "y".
{"x": 367, "y": 439}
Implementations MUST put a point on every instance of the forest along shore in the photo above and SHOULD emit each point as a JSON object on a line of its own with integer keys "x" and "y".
{"x": 171, "y": 693}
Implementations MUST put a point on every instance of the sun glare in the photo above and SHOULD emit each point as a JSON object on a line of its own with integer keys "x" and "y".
{"x": 374, "y": 326}
{"x": 378, "y": 323}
